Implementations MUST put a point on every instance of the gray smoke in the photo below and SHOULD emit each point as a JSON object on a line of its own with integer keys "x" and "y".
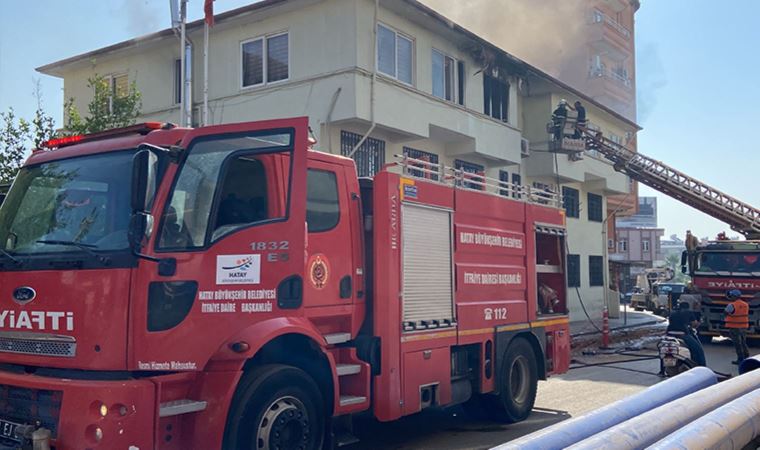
{"x": 144, "y": 16}
{"x": 544, "y": 33}
{"x": 650, "y": 79}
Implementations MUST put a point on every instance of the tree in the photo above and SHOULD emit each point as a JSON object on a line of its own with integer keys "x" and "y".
{"x": 110, "y": 107}
{"x": 14, "y": 138}
{"x": 674, "y": 262}
{"x": 17, "y": 134}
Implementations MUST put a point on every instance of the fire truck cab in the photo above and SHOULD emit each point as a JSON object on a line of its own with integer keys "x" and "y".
{"x": 717, "y": 267}
{"x": 227, "y": 287}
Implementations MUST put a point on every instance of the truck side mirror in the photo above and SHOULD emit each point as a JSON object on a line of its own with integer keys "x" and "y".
{"x": 144, "y": 168}
{"x": 684, "y": 257}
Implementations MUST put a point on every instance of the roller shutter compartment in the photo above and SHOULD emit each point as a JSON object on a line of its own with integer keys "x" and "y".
{"x": 428, "y": 300}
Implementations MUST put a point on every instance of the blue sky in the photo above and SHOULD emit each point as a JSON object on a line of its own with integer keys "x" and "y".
{"x": 697, "y": 71}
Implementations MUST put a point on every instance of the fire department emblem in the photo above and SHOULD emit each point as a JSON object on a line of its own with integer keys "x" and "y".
{"x": 319, "y": 271}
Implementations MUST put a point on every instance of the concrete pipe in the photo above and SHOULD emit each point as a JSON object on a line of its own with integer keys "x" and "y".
{"x": 749, "y": 364}
{"x": 650, "y": 427}
{"x": 732, "y": 426}
{"x": 573, "y": 430}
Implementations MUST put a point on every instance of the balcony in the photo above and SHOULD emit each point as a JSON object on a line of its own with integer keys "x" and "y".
{"x": 609, "y": 37}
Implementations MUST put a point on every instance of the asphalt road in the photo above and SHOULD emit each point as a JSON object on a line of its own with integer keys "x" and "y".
{"x": 574, "y": 393}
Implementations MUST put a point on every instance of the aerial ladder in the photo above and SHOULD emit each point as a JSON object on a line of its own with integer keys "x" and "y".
{"x": 740, "y": 216}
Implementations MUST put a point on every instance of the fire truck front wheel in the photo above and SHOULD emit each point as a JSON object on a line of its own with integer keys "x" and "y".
{"x": 276, "y": 407}
{"x": 518, "y": 383}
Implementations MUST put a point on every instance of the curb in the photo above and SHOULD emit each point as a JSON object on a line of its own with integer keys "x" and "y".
{"x": 624, "y": 327}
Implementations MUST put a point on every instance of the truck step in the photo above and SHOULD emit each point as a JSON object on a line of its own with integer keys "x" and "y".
{"x": 177, "y": 407}
{"x": 345, "y": 439}
{"x": 348, "y": 369}
{"x": 346, "y": 400}
{"x": 337, "y": 338}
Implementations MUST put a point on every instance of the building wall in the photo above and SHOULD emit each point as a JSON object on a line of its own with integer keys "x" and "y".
{"x": 331, "y": 61}
{"x": 586, "y": 238}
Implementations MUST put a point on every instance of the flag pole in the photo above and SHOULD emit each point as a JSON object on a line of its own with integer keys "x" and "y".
{"x": 182, "y": 64}
{"x": 205, "y": 73}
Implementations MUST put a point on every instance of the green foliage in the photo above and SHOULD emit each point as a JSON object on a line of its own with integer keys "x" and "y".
{"x": 109, "y": 107}
{"x": 14, "y": 138}
{"x": 674, "y": 262}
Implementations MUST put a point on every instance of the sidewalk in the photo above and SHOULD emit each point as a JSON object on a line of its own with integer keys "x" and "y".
{"x": 633, "y": 328}
{"x": 634, "y": 319}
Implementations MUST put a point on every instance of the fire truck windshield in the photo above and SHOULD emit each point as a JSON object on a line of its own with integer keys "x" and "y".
{"x": 78, "y": 202}
{"x": 728, "y": 263}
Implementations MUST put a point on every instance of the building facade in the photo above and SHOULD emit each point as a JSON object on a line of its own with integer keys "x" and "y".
{"x": 634, "y": 250}
{"x": 376, "y": 83}
{"x": 645, "y": 217}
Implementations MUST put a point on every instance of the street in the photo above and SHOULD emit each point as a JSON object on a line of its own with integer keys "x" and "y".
{"x": 572, "y": 394}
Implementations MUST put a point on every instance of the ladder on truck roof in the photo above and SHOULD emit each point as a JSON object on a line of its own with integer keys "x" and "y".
{"x": 742, "y": 217}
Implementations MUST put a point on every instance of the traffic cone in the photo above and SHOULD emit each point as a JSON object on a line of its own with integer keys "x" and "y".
{"x": 605, "y": 329}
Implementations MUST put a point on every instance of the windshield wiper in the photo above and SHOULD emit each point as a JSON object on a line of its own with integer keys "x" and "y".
{"x": 88, "y": 248}
{"x": 15, "y": 260}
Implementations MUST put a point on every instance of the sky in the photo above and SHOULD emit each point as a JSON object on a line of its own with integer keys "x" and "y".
{"x": 697, "y": 69}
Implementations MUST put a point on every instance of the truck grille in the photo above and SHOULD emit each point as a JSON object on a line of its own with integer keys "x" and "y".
{"x": 37, "y": 344}
{"x": 31, "y": 406}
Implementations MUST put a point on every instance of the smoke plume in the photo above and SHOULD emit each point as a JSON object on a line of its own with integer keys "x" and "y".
{"x": 545, "y": 33}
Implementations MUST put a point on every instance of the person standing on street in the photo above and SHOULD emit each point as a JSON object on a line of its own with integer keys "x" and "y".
{"x": 737, "y": 322}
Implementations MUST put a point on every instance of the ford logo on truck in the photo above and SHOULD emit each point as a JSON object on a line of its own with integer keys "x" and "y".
{"x": 24, "y": 294}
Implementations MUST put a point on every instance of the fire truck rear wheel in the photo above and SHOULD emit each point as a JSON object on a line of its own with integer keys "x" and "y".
{"x": 518, "y": 383}
{"x": 276, "y": 407}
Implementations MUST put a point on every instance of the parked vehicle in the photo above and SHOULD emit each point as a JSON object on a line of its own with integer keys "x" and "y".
{"x": 227, "y": 287}
{"x": 717, "y": 267}
{"x": 666, "y": 296}
{"x": 675, "y": 356}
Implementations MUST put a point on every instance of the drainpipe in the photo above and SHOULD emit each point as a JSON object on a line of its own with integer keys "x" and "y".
{"x": 328, "y": 121}
{"x": 372, "y": 84}
{"x": 183, "y": 62}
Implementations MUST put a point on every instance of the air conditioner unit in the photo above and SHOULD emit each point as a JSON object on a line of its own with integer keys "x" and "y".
{"x": 524, "y": 147}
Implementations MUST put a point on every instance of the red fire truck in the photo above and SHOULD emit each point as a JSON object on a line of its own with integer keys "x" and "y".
{"x": 227, "y": 287}
{"x": 717, "y": 267}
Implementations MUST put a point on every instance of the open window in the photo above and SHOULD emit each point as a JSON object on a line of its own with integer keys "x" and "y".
{"x": 227, "y": 183}
{"x": 550, "y": 270}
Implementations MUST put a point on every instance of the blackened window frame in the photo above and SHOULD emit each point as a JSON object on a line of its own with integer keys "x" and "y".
{"x": 595, "y": 207}
{"x": 571, "y": 202}
{"x": 595, "y": 270}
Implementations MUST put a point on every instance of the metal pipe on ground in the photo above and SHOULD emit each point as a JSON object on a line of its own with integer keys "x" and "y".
{"x": 655, "y": 424}
{"x": 573, "y": 430}
{"x": 733, "y": 426}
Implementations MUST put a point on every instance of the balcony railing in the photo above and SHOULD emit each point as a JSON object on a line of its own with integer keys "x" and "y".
{"x": 602, "y": 71}
{"x": 600, "y": 17}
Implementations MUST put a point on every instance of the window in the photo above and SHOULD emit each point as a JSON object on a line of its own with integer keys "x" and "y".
{"x": 395, "y": 54}
{"x": 571, "y": 202}
{"x": 322, "y": 205}
{"x": 119, "y": 87}
{"x": 473, "y": 172}
{"x": 369, "y": 158}
{"x": 177, "y": 81}
{"x": 426, "y": 157}
{"x": 596, "y": 270}
{"x": 622, "y": 246}
{"x": 573, "y": 270}
{"x": 645, "y": 245}
{"x": 444, "y": 76}
{"x": 258, "y": 69}
{"x": 595, "y": 208}
{"x": 496, "y": 98}
{"x": 616, "y": 139}
{"x": 516, "y": 181}
{"x": 611, "y": 244}
{"x": 505, "y": 187}
{"x": 240, "y": 172}
{"x": 460, "y": 82}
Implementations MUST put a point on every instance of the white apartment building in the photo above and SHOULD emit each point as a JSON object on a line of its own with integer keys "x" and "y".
{"x": 416, "y": 82}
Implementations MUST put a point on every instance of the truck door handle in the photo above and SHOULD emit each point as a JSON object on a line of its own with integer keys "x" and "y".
{"x": 345, "y": 287}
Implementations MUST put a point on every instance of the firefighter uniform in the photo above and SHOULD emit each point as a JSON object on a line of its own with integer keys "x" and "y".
{"x": 737, "y": 322}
